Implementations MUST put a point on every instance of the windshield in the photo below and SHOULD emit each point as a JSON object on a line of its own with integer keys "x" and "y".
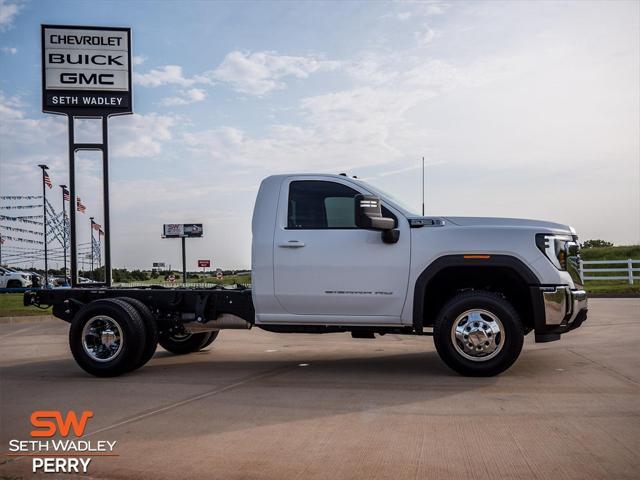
{"x": 408, "y": 209}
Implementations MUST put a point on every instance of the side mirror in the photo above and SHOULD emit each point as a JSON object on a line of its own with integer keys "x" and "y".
{"x": 368, "y": 215}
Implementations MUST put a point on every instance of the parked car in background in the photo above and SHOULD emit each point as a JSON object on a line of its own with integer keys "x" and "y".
{"x": 60, "y": 280}
{"x": 37, "y": 280}
{"x": 10, "y": 278}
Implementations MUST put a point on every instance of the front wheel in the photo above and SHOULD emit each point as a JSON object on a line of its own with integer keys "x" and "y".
{"x": 182, "y": 343}
{"x": 478, "y": 334}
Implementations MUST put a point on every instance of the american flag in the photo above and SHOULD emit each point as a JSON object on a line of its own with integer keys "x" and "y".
{"x": 97, "y": 227}
{"x": 81, "y": 208}
{"x": 65, "y": 195}
{"x": 47, "y": 180}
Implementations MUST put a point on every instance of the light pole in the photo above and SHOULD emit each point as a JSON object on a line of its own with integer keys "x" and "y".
{"x": 44, "y": 221}
{"x": 65, "y": 197}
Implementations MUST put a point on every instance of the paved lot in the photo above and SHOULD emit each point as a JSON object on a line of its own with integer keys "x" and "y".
{"x": 268, "y": 406}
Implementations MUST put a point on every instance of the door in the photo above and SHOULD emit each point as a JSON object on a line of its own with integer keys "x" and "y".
{"x": 325, "y": 265}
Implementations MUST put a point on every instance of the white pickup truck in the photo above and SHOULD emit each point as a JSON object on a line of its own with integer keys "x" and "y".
{"x": 10, "y": 278}
{"x": 332, "y": 253}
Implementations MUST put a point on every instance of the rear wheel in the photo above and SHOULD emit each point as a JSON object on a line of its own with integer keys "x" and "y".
{"x": 182, "y": 343}
{"x": 151, "y": 338}
{"x": 478, "y": 333}
{"x": 107, "y": 337}
{"x": 211, "y": 338}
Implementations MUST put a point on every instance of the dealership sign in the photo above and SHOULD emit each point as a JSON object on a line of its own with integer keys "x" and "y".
{"x": 86, "y": 70}
{"x": 180, "y": 230}
{"x": 204, "y": 263}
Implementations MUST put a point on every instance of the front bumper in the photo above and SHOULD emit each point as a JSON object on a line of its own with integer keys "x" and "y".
{"x": 559, "y": 310}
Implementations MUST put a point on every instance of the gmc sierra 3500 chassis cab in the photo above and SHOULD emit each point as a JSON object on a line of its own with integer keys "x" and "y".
{"x": 334, "y": 254}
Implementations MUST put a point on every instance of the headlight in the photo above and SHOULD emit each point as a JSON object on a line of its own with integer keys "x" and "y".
{"x": 558, "y": 248}
{"x": 26, "y": 277}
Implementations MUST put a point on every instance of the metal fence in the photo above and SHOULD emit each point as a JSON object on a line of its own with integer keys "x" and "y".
{"x": 604, "y": 270}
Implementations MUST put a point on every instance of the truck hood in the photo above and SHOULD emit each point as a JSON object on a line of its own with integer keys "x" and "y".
{"x": 510, "y": 222}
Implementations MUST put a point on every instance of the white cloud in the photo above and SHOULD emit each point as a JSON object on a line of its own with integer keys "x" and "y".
{"x": 430, "y": 8}
{"x": 10, "y": 50}
{"x": 187, "y": 97}
{"x": 425, "y": 37}
{"x": 166, "y": 75}
{"x": 131, "y": 136}
{"x": 253, "y": 73}
{"x": 419, "y": 9}
{"x": 357, "y": 127}
{"x": 141, "y": 135}
{"x": 261, "y": 72}
{"x": 25, "y": 143}
{"x": 139, "y": 59}
{"x": 9, "y": 107}
{"x": 8, "y": 13}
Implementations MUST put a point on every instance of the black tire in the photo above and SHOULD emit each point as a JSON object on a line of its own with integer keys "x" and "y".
{"x": 14, "y": 284}
{"x": 132, "y": 338}
{"x": 183, "y": 344}
{"x": 212, "y": 337}
{"x": 151, "y": 340}
{"x": 511, "y": 339}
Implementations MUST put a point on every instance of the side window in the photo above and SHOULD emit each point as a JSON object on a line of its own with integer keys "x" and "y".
{"x": 340, "y": 212}
{"x": 315, "y": 204}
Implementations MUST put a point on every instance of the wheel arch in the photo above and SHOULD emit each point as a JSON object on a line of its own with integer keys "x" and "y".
{"x": 450, "y": 273}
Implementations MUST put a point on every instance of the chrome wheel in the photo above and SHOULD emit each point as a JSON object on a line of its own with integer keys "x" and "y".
{"x": 477, "y": 335}
{"x": 102, "y": 338}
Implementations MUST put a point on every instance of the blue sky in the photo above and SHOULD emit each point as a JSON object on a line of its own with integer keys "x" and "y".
{"x": 522, "y": 109}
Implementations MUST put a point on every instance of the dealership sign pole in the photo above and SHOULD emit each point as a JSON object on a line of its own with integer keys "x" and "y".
{"x": 86, "y": 73}
{"x": 182, "y": 231}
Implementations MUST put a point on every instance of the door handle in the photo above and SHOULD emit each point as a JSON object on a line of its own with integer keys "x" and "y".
{"x": 291, "y": 244}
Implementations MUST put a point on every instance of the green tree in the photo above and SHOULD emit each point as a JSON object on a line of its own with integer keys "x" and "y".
{"x": 596, "y": 244}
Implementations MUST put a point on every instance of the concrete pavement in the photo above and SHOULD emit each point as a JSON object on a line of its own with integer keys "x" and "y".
{"x": 277, "y": 406}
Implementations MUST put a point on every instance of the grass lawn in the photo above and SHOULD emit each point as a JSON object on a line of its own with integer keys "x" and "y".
{"x": 612, "y": 287}
{"x": 11, "y": 306}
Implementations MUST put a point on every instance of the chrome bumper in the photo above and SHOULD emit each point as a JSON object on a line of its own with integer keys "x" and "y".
{"x": 562, "y": 305}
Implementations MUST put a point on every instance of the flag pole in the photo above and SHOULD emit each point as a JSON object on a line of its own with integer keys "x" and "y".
{"x": 423, "y": 186}
{"x": 92, "y": 276}
{"x": 44, "y": 224}
{"x": 64, "y": 232}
